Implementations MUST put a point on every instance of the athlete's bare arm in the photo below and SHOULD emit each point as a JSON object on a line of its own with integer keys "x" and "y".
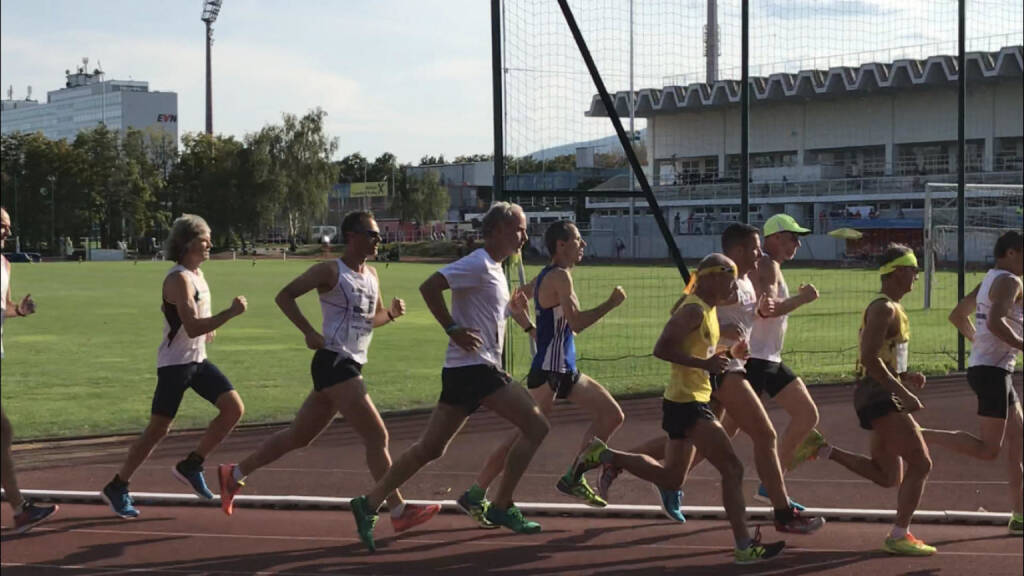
{"x": 1004, "y": 292}
{"x": 880, "y": 320}
{"x": 27, "y": 305}
{"x": 382, "y": 316}
{"x": 432, "y": 290}
{"x": 767, "y": 285}
{"x": 559, "y": 283}
{"x": 669, "y": 345}
{"x": 320, "y": 277}
{"x": 178, "y": 291}
{"x": 961, "y": 314}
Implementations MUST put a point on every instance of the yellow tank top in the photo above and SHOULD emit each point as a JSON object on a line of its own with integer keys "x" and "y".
{"x": 688, "y": 384}
{"x": 894, "y": 347}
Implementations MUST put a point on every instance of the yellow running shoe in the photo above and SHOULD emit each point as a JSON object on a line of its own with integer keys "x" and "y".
{"x": 907, "y": 546}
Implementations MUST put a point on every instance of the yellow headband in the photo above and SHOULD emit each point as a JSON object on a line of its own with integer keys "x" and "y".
{"x": 908, "y": 260}
{"x": 716, "y": 269}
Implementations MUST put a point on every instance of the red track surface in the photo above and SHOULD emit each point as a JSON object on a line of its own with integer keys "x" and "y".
{"x": 85, "y": 539}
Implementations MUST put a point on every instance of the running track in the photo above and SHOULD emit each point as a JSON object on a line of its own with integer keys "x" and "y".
{"x": 175, "y": 540}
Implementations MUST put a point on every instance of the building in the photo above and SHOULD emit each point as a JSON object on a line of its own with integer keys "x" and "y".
{"x": 821, "y": 143}
{"x": 88, "y": 99}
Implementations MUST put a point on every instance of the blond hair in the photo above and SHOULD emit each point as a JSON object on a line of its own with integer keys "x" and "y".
{"x": 185, "y": 229}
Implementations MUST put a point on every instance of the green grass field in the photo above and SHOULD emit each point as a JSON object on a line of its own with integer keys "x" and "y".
{"x": 85, "y": 364}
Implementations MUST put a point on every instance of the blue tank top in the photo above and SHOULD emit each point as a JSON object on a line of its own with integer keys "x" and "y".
{"x": 556, "y": 345}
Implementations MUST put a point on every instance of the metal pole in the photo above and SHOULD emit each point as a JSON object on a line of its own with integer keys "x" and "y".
{"x": 711, "y": 42}
{"x": 961, "y": 170}
{"x": 209, "y": 79}
{"x": 613, "y": 115}
{"x": 496, "y": 95}
{"x": 632, "y": 117}
{"x": 744, "y": 113}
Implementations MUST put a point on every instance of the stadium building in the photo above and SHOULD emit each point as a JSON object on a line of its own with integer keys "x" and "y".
{"x": 87, "y": 100}
{"x": 852, "y": 146}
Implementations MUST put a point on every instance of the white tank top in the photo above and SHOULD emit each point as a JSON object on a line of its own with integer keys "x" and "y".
{"x": 176, "y": 347}
{"x": 988, "y": 349}
{"x": 742, "y": 314}
{"x": 769, "y": 334}
{"x": 5, "y": 283}
{"x": 348, "y": 310}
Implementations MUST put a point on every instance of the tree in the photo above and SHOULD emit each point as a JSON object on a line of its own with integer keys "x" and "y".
{"x": 307, "y": 153}
{"x": 422, "y": 199}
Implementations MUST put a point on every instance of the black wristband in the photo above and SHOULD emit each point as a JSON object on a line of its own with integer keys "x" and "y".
{"x": 390, "y": 317}
{"x": 529, "y": 328}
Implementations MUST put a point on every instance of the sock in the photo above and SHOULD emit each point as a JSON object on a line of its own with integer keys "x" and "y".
{"x": 193, "y": 460}
{"x": 570, "y": 474}
{"x": 783, "y": 515}
{"x": 397, "y": 510}
{"x": 606, "y": 457}
{"x": 898, "y": 532}
{"x": 118, "y": 482}
{"x": 21, "y": 507}
{"x": 476, "y": 493}
{"x": 236, "y": 473}
{"x": 743, "y": 543}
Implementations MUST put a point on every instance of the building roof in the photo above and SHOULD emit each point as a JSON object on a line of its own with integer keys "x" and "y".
{"x": 1007, "y": 63}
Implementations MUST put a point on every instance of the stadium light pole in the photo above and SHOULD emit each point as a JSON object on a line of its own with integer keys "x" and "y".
{"x": 211, "y": 8}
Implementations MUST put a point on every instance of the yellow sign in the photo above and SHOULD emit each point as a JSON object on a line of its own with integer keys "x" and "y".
{"x": 368, "y": 189}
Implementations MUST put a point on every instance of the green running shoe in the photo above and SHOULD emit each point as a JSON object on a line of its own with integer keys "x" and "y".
{"x": 512, "y": 519}
{"x": 365, "y": 521}
{"x": 580, "y": 490}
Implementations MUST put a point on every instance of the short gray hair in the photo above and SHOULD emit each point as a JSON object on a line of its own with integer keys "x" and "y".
{"x": 185, "y": 229}
{"x": 498, "y": 213}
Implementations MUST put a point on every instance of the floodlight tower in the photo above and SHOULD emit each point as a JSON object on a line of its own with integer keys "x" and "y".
{"x": 211, "y": 8}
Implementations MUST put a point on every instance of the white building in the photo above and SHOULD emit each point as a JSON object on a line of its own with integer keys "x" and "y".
{"x": 87, "y": 100}
{"x": 821, "y": 141}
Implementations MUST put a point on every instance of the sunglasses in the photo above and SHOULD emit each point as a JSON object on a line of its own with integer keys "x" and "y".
{"x": 371, "y": 234}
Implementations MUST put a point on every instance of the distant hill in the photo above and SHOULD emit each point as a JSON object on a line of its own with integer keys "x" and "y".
{"x": 606, "y": 145}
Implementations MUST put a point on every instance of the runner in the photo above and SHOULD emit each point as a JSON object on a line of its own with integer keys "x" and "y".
{"x": 553, "y": 373}
{"x": 472, "y": 375}
{"x": 352, "y": 308}
{"x": 883, "y": 402}
{"x": 182, "y": 364}
{"x": 997, "y": 341}
{"x": 690, "y": 343}
{"x": 26, "y": 513}
{"x": 766, "y": 371}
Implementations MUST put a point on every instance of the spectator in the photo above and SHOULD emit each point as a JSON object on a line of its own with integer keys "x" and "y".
{"x": 619, "y": 247}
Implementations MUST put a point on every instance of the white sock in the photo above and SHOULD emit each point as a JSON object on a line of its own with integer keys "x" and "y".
{"x": 236, "y": 473}
{"x": 397, "y": 510}
{"x": 898, "y": 533}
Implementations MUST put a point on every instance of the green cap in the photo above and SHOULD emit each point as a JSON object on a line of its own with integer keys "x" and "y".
{"x": 783, "y": 223}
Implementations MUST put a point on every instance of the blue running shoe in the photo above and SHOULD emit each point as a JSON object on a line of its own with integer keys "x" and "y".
{"x": 119, "y": 499}
{"x": 762, "y": 496}
{"x": 671, "y": 503}
{"x": 193, "y": 478}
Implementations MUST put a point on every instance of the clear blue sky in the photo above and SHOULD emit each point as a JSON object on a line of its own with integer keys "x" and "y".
{"x": 405, "y": 76}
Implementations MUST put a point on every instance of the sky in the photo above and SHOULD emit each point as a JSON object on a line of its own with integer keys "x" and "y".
{"x": 413, "y": 77}
{"x": 402, "y": 76}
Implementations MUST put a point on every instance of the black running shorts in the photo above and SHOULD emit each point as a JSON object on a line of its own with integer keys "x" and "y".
{"x": 172, "y": 381}
{"x": 328, "y": 369}
{"x": 467, "y": 386}
{"x": 994, "y": 388}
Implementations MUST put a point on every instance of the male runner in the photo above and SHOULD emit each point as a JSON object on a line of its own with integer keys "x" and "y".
{"x": 351, "y": 305}
{"x": 26, "y": 513}
{"x": 182, "y": 364}
{"x": 472, "y": 374}
{"x": 997, "y": 342}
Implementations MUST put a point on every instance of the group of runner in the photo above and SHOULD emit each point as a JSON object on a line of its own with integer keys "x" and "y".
{"x": 723, "y": 342}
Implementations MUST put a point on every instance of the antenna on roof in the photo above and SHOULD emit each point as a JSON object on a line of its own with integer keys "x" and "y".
{"x": 29, "y": 95}
{"x": 85, "y": 64}
{"x": 10, "y": 92}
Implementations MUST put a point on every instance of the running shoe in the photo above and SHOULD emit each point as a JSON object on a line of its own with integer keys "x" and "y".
{"x": 32, "y": 515}
{"x": 808, "y": 449}
{"x": 475, "y": 508}
{"x": 365, "y": 521}
{"x": 413, "y": 515}
{"x": 671, "y": 503}
{"x": 229, "y": 487}
{"x": 1016, "y": 525}
{"x": 580, "y": 490}
{"x": 758, "y": 552}
{"x": 119, "y": 499}
{"x": 798, "y": 524}
{"x": 591, "y": 457}
{"x": 512, "y": 518}
{"x": 193, "y": 478}
{"x": 604, "y": 482}
{"x": 907, "y": 546}
{"x": 762, "y": 496}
